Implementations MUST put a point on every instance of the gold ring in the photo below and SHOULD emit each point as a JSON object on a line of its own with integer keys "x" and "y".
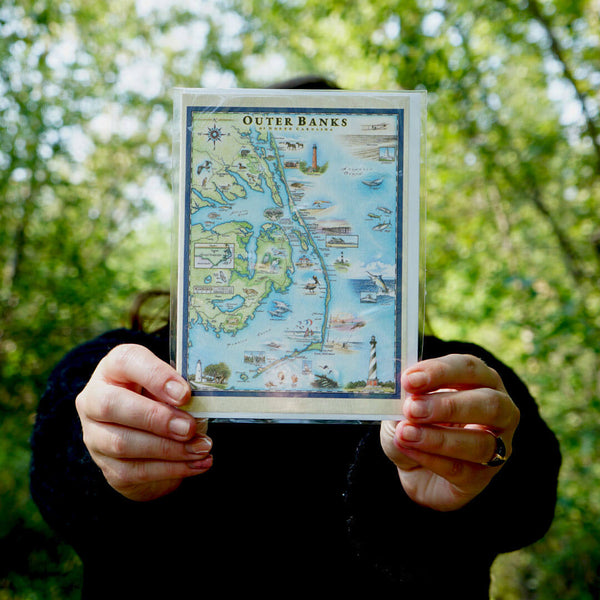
{"x": 499, "y": 457}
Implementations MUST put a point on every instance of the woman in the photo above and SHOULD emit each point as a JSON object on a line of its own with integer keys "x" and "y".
{"x": 416, "y": 508}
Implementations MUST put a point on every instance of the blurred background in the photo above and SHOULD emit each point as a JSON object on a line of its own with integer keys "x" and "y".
{"x": 513, "y": 232}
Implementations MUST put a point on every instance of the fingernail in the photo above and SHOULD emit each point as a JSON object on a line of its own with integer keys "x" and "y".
{"x": 199, "y": 446}
{"x": 180, "y": 426}
{"x": 410, "y": 433}
{"x": 417, "y": 379}
{"x": 201, "y": 465}
{"x": 419, "y": 409}
{"x": 175, "y": 390}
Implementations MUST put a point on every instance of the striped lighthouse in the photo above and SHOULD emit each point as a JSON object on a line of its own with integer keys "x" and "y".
{"x": 372, "y": 379}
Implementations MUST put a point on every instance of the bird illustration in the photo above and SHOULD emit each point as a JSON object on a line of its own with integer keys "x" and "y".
{"x": 311, "y": 286}
{"x": 205, "y": 165}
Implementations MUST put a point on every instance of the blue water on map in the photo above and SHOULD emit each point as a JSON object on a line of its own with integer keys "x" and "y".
{"x": 358, "y": 308}
{"x": 229, "y": 305}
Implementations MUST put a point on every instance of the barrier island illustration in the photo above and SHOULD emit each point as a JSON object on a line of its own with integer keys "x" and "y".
{"x": 293, "y": 251}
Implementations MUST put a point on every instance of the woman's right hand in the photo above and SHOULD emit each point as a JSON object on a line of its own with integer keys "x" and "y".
{"x": 132, "y": 426}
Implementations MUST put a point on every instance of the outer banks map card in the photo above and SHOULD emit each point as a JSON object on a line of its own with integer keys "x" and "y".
{"x": 297, "y": 280}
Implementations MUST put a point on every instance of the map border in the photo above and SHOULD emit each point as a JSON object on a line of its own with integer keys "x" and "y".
{"x": 318, "y": 404}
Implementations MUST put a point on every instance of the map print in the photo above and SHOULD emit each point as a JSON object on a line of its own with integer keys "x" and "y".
{"x": 292, "y": 277}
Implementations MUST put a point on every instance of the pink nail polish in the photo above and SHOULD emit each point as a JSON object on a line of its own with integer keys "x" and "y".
{"x": 410, "y": 433}
{"x": 419, "y": 409}
{"x": 199, "y": 446}
{"x": 180, "y": 426}
{"x": 417, "y": 379}
{"x": 175, "y": 390}
{"x": 200, "y": 465}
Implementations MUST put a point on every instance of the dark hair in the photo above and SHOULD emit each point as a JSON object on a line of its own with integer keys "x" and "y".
{"x": 306, "y": 82}
{"x": 150, "y": 310}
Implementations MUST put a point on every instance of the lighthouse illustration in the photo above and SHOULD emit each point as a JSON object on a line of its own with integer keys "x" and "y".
{"x": 312, "y": 168}
{"x": 372, "y": 379}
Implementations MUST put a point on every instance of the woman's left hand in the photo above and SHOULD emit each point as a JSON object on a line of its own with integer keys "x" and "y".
{"x": 455, "y": 408}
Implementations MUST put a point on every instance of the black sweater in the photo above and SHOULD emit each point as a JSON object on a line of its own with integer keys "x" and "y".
{"x": 286, "y": 508}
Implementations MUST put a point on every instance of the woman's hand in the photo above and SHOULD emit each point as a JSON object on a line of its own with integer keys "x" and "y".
{"x": 455, "y": 408}
{"x": 144, "y": 445}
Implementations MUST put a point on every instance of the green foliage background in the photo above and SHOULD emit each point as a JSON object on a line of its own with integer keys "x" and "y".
{"x": 513, "y": 178}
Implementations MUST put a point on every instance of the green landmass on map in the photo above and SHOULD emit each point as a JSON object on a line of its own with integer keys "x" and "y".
{"x": 224, "y": 299}
{"x": 214, "y": 167}
{"x": 302, "y": 239}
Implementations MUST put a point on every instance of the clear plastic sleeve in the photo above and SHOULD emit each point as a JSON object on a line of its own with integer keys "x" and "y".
{"x": 298, "y": 251}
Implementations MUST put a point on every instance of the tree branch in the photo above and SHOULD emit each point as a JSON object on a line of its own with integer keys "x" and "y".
{"x": 558, "y": 54}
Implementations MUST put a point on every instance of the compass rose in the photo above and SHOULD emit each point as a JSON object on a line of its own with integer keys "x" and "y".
{"x": 214, "y": 135}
